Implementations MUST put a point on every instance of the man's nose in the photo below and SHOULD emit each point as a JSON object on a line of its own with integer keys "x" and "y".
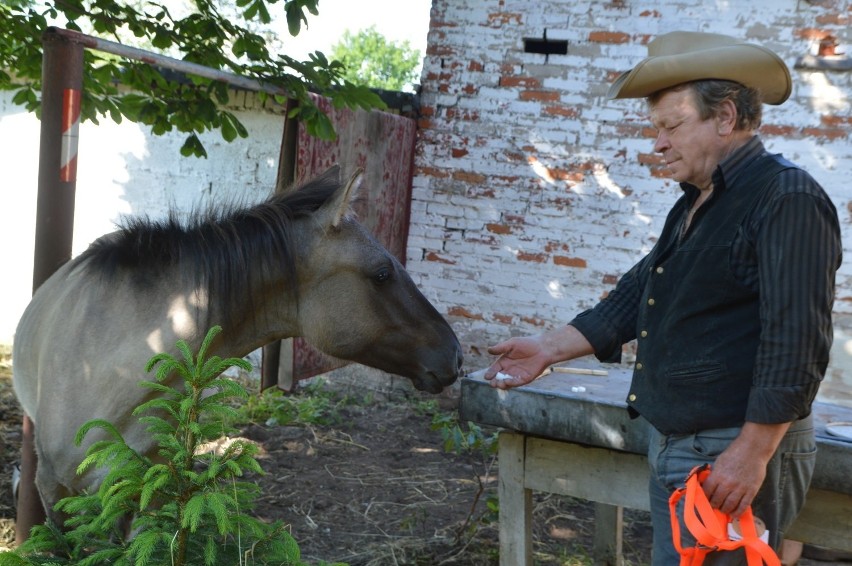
{"x": 662, "y": 142}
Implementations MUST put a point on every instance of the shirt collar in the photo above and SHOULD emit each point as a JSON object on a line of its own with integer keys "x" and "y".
{"x": 730, "y": 168}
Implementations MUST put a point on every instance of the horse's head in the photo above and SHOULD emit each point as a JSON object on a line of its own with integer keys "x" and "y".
{"x": 357, "y": 302}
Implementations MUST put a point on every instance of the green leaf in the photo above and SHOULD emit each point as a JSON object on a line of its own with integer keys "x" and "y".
{"x": 96, "y": 423}
{"x": 11, "y": 559}
{"x": 263, "y": 13}
{"x": 320, "y": 126}
{"x": 217, "y": 504}
{"x": 162, "y": 39}
{"x": 192, "y": 512}
{"x": 193, "y": 146}
{"x": 210, "y": 551}
{"x": 143, "y": 546}
{"x": 294, "y": 18}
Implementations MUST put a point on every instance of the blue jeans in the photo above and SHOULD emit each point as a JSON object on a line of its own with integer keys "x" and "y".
{"x": 778, "y": 502}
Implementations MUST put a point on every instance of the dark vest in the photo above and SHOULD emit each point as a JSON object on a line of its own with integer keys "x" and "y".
{"x": 698, "y": 327}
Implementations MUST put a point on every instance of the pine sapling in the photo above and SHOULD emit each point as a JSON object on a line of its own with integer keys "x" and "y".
{"x": 185, "y": 506}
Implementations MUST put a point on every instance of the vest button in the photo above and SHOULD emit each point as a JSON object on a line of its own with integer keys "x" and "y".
{"x": 660, "y": 269}
{"x": 631, "y": 397}
{"x": 644, "y": 334}
{"x": 639, "y": 365}
{"x": 651, "y": 302}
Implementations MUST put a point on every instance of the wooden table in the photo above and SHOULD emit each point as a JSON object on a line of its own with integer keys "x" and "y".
{"x": 570, "y": 434}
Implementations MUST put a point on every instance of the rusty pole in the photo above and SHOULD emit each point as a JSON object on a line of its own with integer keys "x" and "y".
{"x": 62, "y": 83}
{"x": 271, "y": 359}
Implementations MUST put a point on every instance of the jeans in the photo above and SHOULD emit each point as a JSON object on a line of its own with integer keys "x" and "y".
{"x": 778, "y": 502}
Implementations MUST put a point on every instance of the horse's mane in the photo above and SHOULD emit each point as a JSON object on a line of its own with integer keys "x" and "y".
{"x": 220, "y": 250}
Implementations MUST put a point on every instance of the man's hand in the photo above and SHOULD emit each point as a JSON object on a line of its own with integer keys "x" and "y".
{"x": 523, "y": 359}
{"x": 739, "y": 471}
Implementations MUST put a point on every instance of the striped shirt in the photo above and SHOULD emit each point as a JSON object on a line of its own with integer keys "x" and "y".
{"x": 787, "y": 251}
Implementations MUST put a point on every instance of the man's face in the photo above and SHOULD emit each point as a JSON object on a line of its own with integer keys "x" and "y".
{"x": 692, "y": 147}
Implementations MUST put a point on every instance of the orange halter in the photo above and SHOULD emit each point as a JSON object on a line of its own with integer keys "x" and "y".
{"x": 710, "y": 526}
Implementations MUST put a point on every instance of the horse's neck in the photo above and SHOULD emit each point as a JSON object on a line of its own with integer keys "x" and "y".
{"x": 256, "y": 317}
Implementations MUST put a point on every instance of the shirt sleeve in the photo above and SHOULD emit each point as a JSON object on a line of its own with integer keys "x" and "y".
{"x": 612, "y": 322}
{"x": 798, "y": 250}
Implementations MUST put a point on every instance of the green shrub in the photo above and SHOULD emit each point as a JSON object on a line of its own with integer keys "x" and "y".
{"x": 471, "y": 439}
{"x": 311, "y": 404}
{"x": 188, "y": 507}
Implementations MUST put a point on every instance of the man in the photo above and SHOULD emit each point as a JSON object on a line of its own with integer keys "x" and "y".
{"x": 731, "y": 309}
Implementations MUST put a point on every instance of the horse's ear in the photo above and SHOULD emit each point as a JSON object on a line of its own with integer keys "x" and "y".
{"x": 339, "y": 205}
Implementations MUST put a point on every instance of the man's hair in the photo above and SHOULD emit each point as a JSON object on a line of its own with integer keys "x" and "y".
{"x": 710, "y": 93}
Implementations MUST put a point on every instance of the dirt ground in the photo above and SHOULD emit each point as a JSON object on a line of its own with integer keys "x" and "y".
{"x": 375, "y": 487}
{"x": 379, "y": 489}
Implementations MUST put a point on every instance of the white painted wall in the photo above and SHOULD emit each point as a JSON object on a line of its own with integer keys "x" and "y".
{"x": 122, "y": 169}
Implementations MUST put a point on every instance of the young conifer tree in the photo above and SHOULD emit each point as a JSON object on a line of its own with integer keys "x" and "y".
{"x": 189, "y": 507}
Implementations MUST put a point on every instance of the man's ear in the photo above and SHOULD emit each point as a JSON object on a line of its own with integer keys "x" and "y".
{"x": 726, "y": 118}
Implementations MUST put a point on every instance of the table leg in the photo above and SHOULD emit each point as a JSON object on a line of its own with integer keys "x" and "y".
{"x": 515, "y": 502}
{"x": 609, "y": 535}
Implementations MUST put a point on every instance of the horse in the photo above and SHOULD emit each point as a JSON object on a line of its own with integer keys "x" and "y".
{"x": 298, "y": 264}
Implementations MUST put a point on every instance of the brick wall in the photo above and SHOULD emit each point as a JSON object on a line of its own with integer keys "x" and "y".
{"x": 533, "y": 192}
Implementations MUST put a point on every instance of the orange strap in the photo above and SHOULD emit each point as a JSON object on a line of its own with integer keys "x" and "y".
{"x": 710, "y": 526}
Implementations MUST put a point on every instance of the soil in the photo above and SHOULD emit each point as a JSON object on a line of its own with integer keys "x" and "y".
{"x": 376, "y": 487}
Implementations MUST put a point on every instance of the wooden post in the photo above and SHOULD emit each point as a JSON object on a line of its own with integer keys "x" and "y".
{"x": 62, "y": 84}
{"x": 515, "y": 502}
{"x": 609, "y": 535}
{"x": 271, "y": 360}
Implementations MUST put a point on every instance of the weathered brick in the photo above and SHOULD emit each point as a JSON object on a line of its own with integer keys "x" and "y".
{"x": 469, "y": 177}
{"x": 509, "y": 81}
{"x": 562, "y": 111}
{"x": 498, "y": 228}
{"x": 560, "y": 184}
{"x": 534, "y": 321}
{"x": 539, "y": 95}
{"x": 569, "y": 261}
{"x": 463, "y": 312}
{"x": 533, "y": 257}
{"x": 432, "y": 256}
{"x": 651, "y": 159}
{"x": 826, "y": 134}
{"x": 608, "y": 37}
{"x": 505, "y": 18}
{"x": 779, "y": 130}
{"x": 832, "y": 121}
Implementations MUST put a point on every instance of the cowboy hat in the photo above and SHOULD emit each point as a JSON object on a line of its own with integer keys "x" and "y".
{"x": 681, "y": 56}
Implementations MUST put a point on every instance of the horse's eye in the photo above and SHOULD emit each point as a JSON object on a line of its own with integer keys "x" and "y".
{"x": 382, "y": 276}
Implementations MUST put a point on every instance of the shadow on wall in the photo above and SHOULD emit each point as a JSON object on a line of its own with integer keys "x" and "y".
{"x": 122, "y": 169}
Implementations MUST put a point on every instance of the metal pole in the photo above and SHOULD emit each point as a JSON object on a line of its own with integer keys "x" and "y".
{"x": 164, "y": 61}
{"x": 62, "y": 83}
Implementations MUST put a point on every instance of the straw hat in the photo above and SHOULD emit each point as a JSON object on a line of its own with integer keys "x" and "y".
{"x": 682, "y": 56}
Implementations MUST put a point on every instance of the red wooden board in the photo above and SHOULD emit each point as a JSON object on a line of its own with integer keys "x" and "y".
{"x": 383, "y": 145}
